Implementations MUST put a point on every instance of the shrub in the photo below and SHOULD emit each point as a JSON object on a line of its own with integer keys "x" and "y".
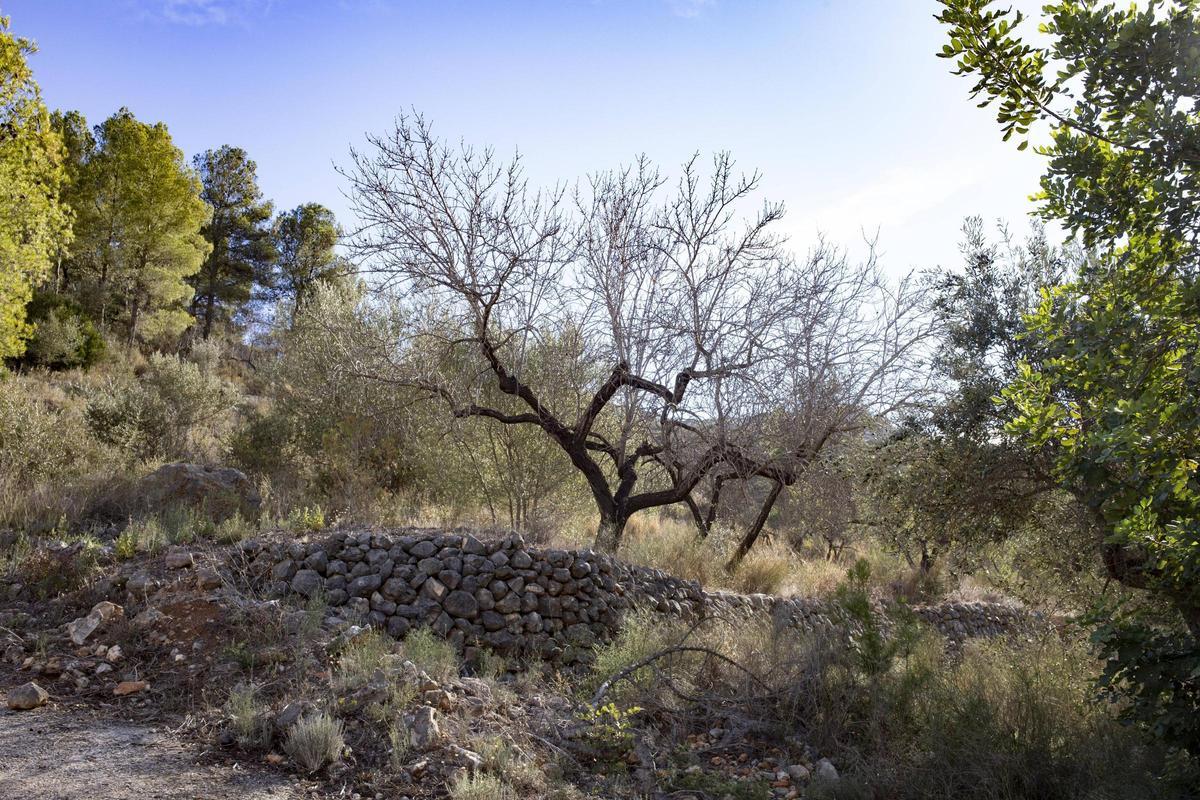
{"x": 362, "y": 658}
{"x": 640, "y": 636}
{"x": 161, "y": 412}
{"x": 900, "y": 717}
{"x": 247, "y": 717}
{"x": 63, "y": 336}
{"x": 481, "y": 786}
{"x": 431, "y": 653}
{"x": 314, "y": 741}
{"x": 38, "y": 443}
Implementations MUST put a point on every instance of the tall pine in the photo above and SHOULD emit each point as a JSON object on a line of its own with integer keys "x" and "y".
{"x": 240, "y": 236}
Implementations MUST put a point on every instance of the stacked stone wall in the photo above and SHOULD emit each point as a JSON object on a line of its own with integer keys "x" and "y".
{"x": 551, "y": 603}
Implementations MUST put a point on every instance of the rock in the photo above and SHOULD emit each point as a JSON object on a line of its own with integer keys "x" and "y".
{"x": 461, "y": 604}
{"x": 221, "y": 492}
{"x": 207, "y": 579}
{"x": 114, "y": 654}
{"x": 292, "y": 713}
{"x": 433, "y": 589}
{"x": 178, "y": 558}
{"x": 80, "y": 629}
{"x": 468, "y": 758}
{"x": 130, "y": 687}
{"x": 826, "y": 771}
{"x": 798, "y": 772}
{"x": 27, "y": 696}
{"x": 307, "y": 582}
{"x": 423, "y": 730}
{"x": 141, "y": 583}
{"x": 149, "y": 618}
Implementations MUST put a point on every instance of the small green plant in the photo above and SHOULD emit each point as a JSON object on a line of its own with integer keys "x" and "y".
{"x": 710, "y": 784}
{"x": 875, "y": 650}
{"x": 126, "y": 545}
{"x": 361, "y": 659}
{"x": 497, "y": 752}
{"x": 248, "y": 720}
{"x": 610, "y": 728}
{"x": 233, "y": 529}
{"x": 641, "y": 635}
{"x": 316, "y": 608}
{"x": 314, "y": 741}
{"x": 431, "y": 653}
{"x": 308, "y": 518}
{"x": 143, "y": 535}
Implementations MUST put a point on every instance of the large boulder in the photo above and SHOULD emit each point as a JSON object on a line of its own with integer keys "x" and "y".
{"x": 220, "y": 492}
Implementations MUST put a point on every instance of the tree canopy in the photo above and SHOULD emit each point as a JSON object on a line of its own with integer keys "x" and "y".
{"x": 238, "y": 233}
{"x": 33, "y": 222}
{"x": 1112, "y": 397}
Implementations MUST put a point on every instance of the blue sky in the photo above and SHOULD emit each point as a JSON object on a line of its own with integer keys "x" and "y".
{"x": 841, "y": 104}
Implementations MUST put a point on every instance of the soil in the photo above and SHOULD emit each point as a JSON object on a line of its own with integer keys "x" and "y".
{"x": 61, "y": 753}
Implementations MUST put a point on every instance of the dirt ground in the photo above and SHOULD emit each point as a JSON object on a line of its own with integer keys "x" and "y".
{"x": 57, "y": 753}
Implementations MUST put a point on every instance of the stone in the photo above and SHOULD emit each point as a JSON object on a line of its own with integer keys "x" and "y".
{"x": 318, "y": 561}
{"x": 433, "y": 589}
{"x": 114, "y": 654}
{"x": 423, "y": 729}
{"x": 826, "y": 771}
{"x": 461, "y": 604}
{"x": 363, "y": 586}
{"x": 80, "y": 629}
{"x": 148, "y": 618}
{"x": 221, "y": 491}
{"x": 26, "y": 697}
{"x": 307, "y": 582}
{"x": 423, "y": 549}
{"x": 292, "y": 713}
{"x": 284, "y": 570}
{"x": 485, "y": 600}
{"x": 207, "y": 579}
{"x": 798, "y": 773}
{"x": 141, "y": 583}
{"x": 178, "y": 558}
{"x": 492, "y": 621}
{"x": 130, "y": 687}
{"x": 508, "y": 604}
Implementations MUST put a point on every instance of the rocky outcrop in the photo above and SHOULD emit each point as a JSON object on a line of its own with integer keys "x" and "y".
{"x": 551, "y": 603}
{"x": 220, "y": 492}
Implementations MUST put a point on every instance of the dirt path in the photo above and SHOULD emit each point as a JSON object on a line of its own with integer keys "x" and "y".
{"x": 54, "y": 753}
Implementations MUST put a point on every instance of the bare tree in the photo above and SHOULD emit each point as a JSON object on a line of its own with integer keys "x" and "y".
{"x": 854, "y": 358}
{"x": 688, "y": 309}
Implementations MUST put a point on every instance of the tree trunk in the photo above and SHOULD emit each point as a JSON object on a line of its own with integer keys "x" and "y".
{"x": 756, "y": 527}
{"x": 208, "y": 312}
{"x": 608, "y": 535}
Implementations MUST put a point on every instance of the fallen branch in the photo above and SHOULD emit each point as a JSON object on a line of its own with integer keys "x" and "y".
{"x": 648, "y": 660}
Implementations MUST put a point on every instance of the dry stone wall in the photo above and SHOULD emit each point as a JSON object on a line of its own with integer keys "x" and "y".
{"x": 519, "y": 600}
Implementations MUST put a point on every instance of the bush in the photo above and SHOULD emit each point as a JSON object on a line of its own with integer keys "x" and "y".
{"x": 248, "y": 720}
{"x": 899, "y": 717}
{"x": 431, "y": 653}
{"x": 362, "y": 658}
{"x": 63, "y": 337}
{"x": 314, "y": 741}
{"x": 162, "y": 412}
{"x": 481, "y": 787}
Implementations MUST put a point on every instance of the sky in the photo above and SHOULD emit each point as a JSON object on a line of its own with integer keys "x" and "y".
{"x": 857, "y": 128}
